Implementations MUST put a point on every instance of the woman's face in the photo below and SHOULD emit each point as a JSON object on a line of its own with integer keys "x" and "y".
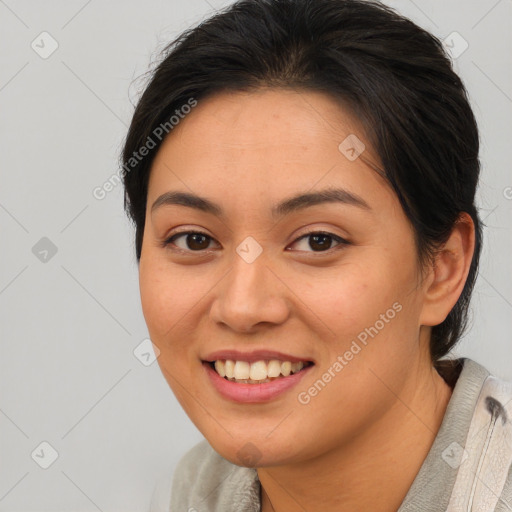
{"x": 334, "y": 284}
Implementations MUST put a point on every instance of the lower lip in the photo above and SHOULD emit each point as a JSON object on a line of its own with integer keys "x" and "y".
{"x": 253, "y": 393}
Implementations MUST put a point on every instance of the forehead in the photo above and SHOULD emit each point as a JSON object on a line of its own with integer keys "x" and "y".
{"x": 255, "y": 117}
{"x": 264, "y": 143}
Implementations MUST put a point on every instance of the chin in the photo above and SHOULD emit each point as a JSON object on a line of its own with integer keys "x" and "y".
{"x": 253, "y": 452}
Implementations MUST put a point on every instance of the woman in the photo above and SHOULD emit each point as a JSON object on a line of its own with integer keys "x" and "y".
{"x": 302, "y": 176}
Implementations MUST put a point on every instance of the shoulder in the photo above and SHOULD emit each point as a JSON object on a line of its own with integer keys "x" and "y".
{"x": 505, "y": 500}
{"x": 469, "y": 463}
{"x": 205, "y": 481}
{"x": 484, "y": 475}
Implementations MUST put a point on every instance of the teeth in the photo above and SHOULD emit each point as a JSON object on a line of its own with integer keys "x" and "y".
{"x": 242, "y": 370}
{"x": 297, "y": 367}
{"x": 219, "y": 366}
{"x": 257, "y": 372}
{"x": 274, "y": 368}
{"x": 286, "y": 368}
{"x": 229, "y": 368}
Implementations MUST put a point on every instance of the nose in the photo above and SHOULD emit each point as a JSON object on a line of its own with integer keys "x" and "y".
{"x": 250, "y": 294}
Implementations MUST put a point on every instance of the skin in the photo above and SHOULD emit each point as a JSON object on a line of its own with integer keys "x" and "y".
{"x": 363, "y": 438}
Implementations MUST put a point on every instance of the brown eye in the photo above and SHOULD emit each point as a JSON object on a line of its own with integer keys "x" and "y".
{"x": 320, "y": 241}
{"x": 194, "y": 241}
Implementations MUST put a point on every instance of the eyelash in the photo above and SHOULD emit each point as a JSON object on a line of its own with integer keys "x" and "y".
{"x": 341, "y": 241}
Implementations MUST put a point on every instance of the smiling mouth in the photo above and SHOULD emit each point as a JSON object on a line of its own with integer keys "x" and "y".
{"x": 258, "y": 372}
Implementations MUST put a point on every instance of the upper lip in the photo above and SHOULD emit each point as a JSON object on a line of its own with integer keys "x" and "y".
{"x": 253, "y": 356}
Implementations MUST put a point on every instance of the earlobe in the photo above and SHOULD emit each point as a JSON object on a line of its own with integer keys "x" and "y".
{"x": 449, "y": 273}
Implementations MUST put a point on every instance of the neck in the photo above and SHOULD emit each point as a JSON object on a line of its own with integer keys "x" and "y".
{"x": 377, "y": 466}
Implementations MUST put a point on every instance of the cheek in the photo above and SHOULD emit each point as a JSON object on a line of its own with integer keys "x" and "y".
{"x": 167, "y": 302}
{"x": 352, "y": 295}
{"x": 165, "y": 297}
{"x": 368, "y": 303}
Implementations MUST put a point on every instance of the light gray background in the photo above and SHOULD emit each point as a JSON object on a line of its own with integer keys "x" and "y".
{"x": 69, "y": 325}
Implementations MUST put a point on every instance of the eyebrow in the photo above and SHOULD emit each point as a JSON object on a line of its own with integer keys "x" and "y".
{"x": 293, "y": 204}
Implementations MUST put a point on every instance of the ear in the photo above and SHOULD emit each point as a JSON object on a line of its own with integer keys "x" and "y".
{"x": 448, "y": 275}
